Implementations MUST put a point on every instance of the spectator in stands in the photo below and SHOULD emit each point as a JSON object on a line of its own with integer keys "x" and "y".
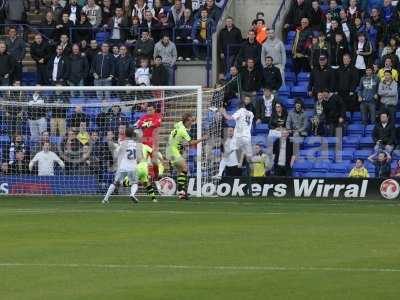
{"x": 48, "y": 28}
{"x": 337, "y": 48}
{"x": 73, "y": 9}
{"x": 301, "y": 46}
{"x": 368, "y": 96}
{"x": 40, "y": 52}
{"x": 58, "y": 68}
{"x": 124, "y": 67}
{"x": 36, "y": 116}
{"x": 164, "y": 27}
{"x": 317, "y": 16}
{"x": 272, "y": 76}
{"x": 284, "y": 157}
{"x": 388, "y": 67}
{"x": 77, "y": 118}
{"x": 232, "y": 87}
{"x": 64, "y": 26}
{"x": 176, "y": 12}
{"x": 261, "y": 31}
{"x": 396, "y": 170}
{"x": 335, "y": 113}
{"x": 319, "y": 47}
{"x": 101, "y": 153}
{"x": 213, "y": 11}
{"x": 83, "y": 136}
{"x": 183, "y": 36}
{"x": 249, "y": 49}
{"x": 384, "y": 134}
{"x": 150, "y": 23}
{"x": 78, "y": 69}
{"x": 359, "y": 171}
{"x": 167, "y": 50}
{"x": 142, "y": 74}
{"x": 103, "y": 70}
{"x": 115, "y": 119}
{"x": 346, "y": 84}
{"x": 58, "y": 123}
{"x": 297, "y": 120}
{"x": 251, "y": 78}
{"x": 65, "y": 45}
{"x": 388, "y": 93}
{"x": 46, "y": 160}
{"x": 381, "y": 160}
{"x": 20, "y": 165}
{"x": 297, "y": 11}
{"x": 362, "y": 53}
{"x": 17, "y": 145}
{"x": 139, "y": 9}
{"x": 70, "y": 152}
{"x": 118, "y": 27}
{"x": 260, "y": 162}
{"x": 278, "y": 120}
{"x": 159, "y": 74}
{"x": 202, "y": 31}
{"x": 228, "y": 40}
{"x": 16, "y": 47}
{"x": 274, "y": 48}
{"x": 56, "y": 9}
{"x": 229, "y": 162}
{"x": 145, "y": 46}
{"x": 107, "y": 11}
{"x": 265, "y": 106}
{"x": 93, "y": 12}
{"x": 7, "y": 65}
{"x": 83, "y": 29}
{"x": 321, "y": 77}
{"x": 16, "y": 11}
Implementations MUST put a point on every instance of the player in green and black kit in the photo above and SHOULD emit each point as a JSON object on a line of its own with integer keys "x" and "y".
{"x": 179, "y": 138}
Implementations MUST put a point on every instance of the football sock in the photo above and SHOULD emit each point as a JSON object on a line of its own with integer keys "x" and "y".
{"x": 134, "y": 189}
{"x": 182, "y": 181}
{"x": 111, "y": 190}
{"x": 150, "y": 191}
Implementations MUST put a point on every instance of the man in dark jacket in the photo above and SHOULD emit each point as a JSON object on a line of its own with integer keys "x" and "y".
{"x": 78, "y": 69}
{"x": 7, "y": 65}
{"x": 214, "y": 12}
{"x": 299, "y": 9}
{"x": 73, "y": 9}
{"x": 346, "y": 83}
{"x": 249, "y": 49}
{"x": 103, "y": 70}
{"x": 228, "y": 36}
{"x": 144, "y": 46}
{"x": 124, "y": 67}
{"x": 159, "y": 74}
{"x": 334, "y": 111}
{"x": 272, "y": 77}
{"x": 283, "y": 155}
{"x": 384, "y": 133}
{"x": 250, "y": 78}
{"x": 90, "y": 55}
{"x": 41, "y": 52}
{"x": 202, "y": 31}
{"x": 58, "y": 68}
{"x": 321, "y": 77}
{"x": 16, "y": 47}
{"x": 118, "y": 27}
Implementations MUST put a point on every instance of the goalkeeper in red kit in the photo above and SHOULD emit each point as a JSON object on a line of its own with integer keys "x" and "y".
{"x": 150, "y": 125}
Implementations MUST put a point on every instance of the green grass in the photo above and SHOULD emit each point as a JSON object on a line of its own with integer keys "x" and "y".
{"x": 75, "y": 248}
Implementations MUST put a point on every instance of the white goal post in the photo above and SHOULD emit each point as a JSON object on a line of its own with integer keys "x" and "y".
{"x": 32, "y": 115}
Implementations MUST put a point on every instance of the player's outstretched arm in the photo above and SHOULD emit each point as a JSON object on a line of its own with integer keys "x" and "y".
{"x": 224, "y": 114}
{"x": 195, "y": 142}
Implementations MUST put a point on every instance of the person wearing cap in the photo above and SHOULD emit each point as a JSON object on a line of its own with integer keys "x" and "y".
{"x": 274, "y": 48}
{"x": 322, "y": 77}
{"x": 368, "y": 96}
{"x": 297, "y": 120}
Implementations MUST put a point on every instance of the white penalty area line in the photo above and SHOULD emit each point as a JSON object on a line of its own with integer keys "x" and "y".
{"x": 206, "y": 268}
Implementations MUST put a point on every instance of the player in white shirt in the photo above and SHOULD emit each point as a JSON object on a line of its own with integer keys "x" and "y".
{"x": 242, "y": 132}
{"x": 128, "y": 153}
{"x": 229, "y": 156}
{"x": 46, "y": 160}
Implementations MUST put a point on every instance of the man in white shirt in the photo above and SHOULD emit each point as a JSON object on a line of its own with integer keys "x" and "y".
{"x": 142, "y": 74}
{"x": 242, "y": 132}
{"x": 46, "y": 160}
{"x": 229, "y": 161}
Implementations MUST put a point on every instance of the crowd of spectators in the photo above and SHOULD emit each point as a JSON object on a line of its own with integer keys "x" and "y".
{"x": 351, "y": 52}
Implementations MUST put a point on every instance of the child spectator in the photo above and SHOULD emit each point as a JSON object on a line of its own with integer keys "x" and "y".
{"x": 142, "y": 74}
{"x": 359, "y": 171}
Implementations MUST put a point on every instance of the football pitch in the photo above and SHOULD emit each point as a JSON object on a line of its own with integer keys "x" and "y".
{"x": 222, "y": 248}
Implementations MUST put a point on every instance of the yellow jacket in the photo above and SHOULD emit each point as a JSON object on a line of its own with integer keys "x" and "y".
{"x": 359, "y": 173}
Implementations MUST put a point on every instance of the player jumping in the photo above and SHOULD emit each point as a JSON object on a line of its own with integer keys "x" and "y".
{"x": 179, "y": 138}
{"x": 129, "y": 153}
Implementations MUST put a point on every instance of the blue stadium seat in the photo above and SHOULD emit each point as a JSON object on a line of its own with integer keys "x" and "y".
{"x": 364, "y": 154}
{"x": 303, "y": 166}
{"x": 309, "y": 103}
{"x": 101, "y": 37}
{"x": 230, "y": 123}
{"x": 299, "y": 91}
{"x": 314, "y": 174}
{"x": 56, "y": 139}
{"x": 233, "y": 104}
{"x": 356, "y": 116}
{"x": 303, "y": 77}
{"x": 290, "y": 76}
{"x": 289, "y": 103}
{"x": 366, "y": 142}
{"x": 398, "y": 117}
{"x": 334, "y": 175}
{"x": 309, "y": 154}
{"x": 4, "y": 139}
{"x": 284, "y": 91}
{"x": 370, "y": 167}
{"x": 330, "y": 140}
{"x": 77, "y": 101}
{"x": 261, "y": 129}
{"x": 321, "y": 166}
{"x": 351, "y": 142}
{"x": 326, "y": 155}
{"x": 92, "y": 112}
{"x": 346, "y": 154}
{"x": 312, "y": 141}
{"x": 368, "y": 130}
{"x": 355, "y": 129}
{"x": 341, "y": 167}
{"x": 259, "y": 139}
{"x": 396, "y": 155}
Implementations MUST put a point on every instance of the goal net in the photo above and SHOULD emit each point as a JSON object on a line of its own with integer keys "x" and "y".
{"x": 57, "y": 140}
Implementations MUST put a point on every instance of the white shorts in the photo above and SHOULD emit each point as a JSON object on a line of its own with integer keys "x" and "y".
{"x": 244, "y": 146}
{"x": 120, "y": 176}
